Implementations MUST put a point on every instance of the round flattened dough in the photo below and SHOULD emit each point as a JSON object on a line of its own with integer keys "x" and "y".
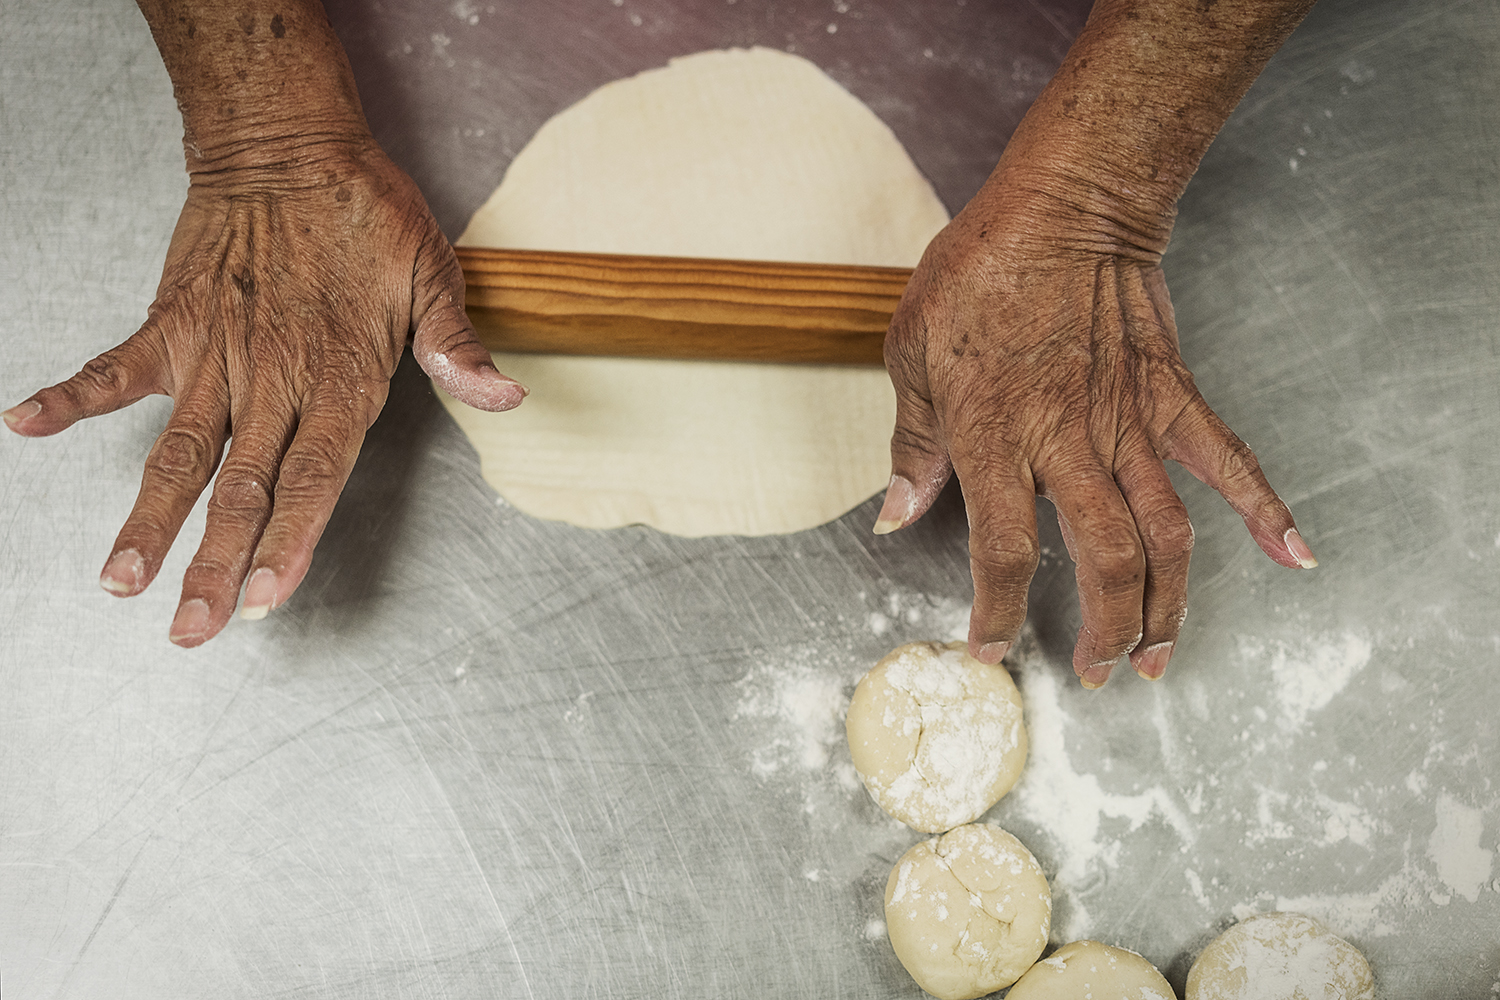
{"x": 1093, "y": 970}
{"x": 1280, "y": 956}
{"x": 936, "y": 735}
{"x": 748, "y": 154}
{"x": 967, "y": 912}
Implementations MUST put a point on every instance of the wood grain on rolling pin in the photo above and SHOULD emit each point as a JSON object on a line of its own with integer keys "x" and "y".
{"x": 676, "y": 307}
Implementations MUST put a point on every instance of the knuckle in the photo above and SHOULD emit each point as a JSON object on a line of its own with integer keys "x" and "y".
{"x": 310, "y": 468}
{"x": 1011, "y": 556}
{"x": 910, "y": 438}
{"x": 182, "y": 454}
{"x": 1117, "y": 558}
{"x": 1166, "y": 531}
{"x": 241, "y": 491}
{"x": 104, "y": 374}
{"x": 1237, "y": 463}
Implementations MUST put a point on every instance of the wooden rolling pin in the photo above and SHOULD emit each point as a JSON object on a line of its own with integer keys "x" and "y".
{"x": 675, "y": 307}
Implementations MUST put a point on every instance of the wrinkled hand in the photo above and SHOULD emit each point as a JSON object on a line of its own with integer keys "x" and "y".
{"x": 286, "y": 300}
{"x": 1031, "y": 356}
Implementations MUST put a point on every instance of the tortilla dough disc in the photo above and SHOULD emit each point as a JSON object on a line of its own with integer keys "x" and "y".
{"x": 747, "y": 154}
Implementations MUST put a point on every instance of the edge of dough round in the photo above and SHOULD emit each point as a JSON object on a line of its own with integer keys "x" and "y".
{"x": 1280, "y": 954}
{"x": 1098, "y": 971}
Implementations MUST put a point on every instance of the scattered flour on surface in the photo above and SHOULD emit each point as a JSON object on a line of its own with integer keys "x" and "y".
{"x": 1069, "y": 805}
{"x": 808, "y": 702}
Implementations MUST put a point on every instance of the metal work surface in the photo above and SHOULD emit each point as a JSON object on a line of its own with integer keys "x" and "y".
{"x": 481, "y": 755}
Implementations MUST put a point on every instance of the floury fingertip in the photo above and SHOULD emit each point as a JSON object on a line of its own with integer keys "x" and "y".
{"x": 122, "y": 574}
{"x": 992, "y": 652}
{"x": 190, "y": 626}
{"x": 1298, "y": 550}
{"x": 260, "y": 595}
{"x": 21, "y": 413}
{"x": 1094, "y": 676}
{"x": 1152, "y": 663}
{"x": 900, "y": 504}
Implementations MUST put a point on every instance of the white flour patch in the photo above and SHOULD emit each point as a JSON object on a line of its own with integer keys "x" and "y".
{"x": 911, "y": 617}
{"x": 807, "y": 701}
{"x": 1462, "y": 864}
{"x": 1308, "y": 675}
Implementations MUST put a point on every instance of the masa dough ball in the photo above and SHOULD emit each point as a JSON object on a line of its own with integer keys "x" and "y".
{"x": 1093, "y": 970}
{"x": 936, "y": 735}
{"x": 967, "y": 912}
{"x": 1280, "y": 956}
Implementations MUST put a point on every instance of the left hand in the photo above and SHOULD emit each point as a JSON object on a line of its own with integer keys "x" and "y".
{"x": 1034, "y": 354}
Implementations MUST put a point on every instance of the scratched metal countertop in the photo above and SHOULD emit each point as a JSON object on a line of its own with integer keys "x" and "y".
{"x": 481, "y": 755}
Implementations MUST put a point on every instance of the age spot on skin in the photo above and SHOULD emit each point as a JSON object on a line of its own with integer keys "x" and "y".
{"x": 278, "y": 26}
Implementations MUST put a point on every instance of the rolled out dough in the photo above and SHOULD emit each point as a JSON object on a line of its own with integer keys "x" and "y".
{"x": 748, "y": 154}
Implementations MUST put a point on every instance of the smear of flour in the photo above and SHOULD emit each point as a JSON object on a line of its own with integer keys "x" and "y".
{"x": 1461, "y": 863}
{"x": 1309, "y": 675}
{"x": 1070, "y": 805}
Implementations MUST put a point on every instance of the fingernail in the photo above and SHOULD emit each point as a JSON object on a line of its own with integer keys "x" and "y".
{"x": 260, "y": 594}
{"x": 191, "y": 622}
{"x": 1094, "y": 676}
{"x": 900, "y": 504}
{"x": 18, "y": 414}
{"x": 122, "y": 574}
{"x": 992, "y": 652}
{"x": 1298, "y": 549}
{"x": 1153, "y": 661}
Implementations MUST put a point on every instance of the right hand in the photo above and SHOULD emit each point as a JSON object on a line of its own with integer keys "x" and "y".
{"x": 287, "y": 297}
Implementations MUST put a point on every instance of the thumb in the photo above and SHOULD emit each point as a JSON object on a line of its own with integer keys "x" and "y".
{"x": 447, "y": 348}
{"x": 919, "y": 462}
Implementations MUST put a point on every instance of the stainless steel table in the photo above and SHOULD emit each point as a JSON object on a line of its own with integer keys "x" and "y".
{"x": 482, "y": 755}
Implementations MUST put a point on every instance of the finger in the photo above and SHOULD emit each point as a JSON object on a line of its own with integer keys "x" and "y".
{"x": 114, "y": 379}
{"x": 1206, "y": 447}
{"x": 238, "y": 512}
{"x": 180, "y": 464}
{"x": 1111, "y": 567}
{"x": 1000, "y": 498}
{"x": 449, "y": 351}
{"x": 1166, "y": 536}
{"x": 312, "y": 474}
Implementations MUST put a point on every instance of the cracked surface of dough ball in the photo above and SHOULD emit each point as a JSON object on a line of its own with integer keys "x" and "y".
{"x": 1093, "y": 970}
{"x": 936, "y": 736}
{"x": 1280, "y": 956}
{"x": 967, "y": 912}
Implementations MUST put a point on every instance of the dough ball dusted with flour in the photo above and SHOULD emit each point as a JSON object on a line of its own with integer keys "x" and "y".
{"x": 1095, "y": 971}
{"x": 967, "y": 912}
{"x": 1280, "y": 956}
{"x": 936, "y": 735}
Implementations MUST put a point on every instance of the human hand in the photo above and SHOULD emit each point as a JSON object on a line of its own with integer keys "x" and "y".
{"x": 288, "y": 294}
{"x": 1035, "y": 353}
